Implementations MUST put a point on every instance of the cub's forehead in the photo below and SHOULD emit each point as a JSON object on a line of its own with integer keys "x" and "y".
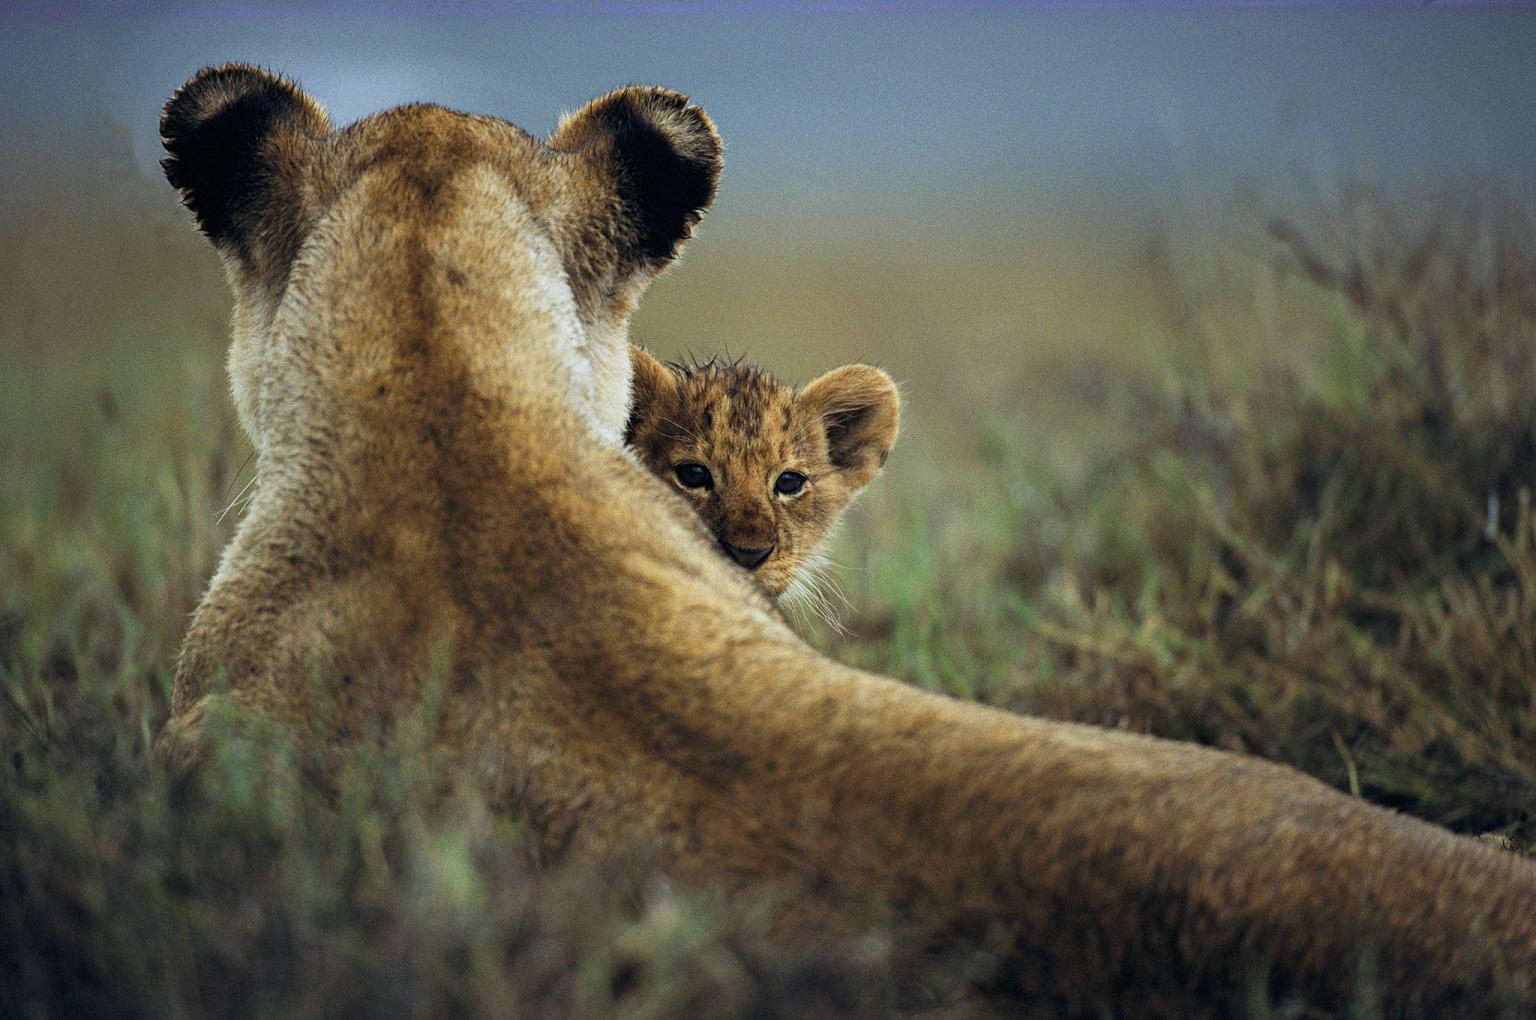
{"x": 737, "y": 397}
{"x": 735, "y": 410}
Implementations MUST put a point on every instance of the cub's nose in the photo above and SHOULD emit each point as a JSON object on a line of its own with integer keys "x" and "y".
{"x": 749, "y": 558}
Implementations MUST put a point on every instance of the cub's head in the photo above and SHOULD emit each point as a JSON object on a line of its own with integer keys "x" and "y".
{"x": 768, "y": 467}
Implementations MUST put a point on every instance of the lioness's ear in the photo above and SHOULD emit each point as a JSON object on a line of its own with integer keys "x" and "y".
{"x": 859, "y": 407}
{"x": 650, "y": 383}
{"x": 661, "y": 155}
{"x": 237, "y": 140}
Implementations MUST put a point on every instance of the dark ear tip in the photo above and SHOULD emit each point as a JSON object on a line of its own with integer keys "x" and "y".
{"x": 664, "y": 154}
{"x": 199, "y": 96}
{"x": 652, "y": 97}
{"x": 215, "y": 129}
{"x": 686, "y": 127}
{"x": 688, "y": 122}
{"x": 212, "y": 89}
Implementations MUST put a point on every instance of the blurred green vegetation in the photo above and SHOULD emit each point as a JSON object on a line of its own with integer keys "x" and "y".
{"x": 1260, "y": 484}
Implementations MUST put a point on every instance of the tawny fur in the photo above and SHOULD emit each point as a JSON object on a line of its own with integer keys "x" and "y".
{"x": 427, "y": 348}
{"x": 747, "y": 429}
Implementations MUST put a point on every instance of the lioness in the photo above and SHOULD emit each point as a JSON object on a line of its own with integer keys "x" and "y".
{"x": 768, "y": 468}
{"x": 429, "y": 353}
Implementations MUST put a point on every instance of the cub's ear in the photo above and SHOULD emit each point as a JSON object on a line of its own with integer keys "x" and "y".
{"x": 651, "y": 382}
{"x": 660, "y": 155}
{"x": 238, "y": 140}
{"x": 861, "y": 411}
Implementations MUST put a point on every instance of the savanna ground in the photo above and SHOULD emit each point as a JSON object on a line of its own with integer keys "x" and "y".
{"x": 1264, "y": 485}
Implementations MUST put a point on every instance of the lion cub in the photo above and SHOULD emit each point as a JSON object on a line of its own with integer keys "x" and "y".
{"x": 769, "y": 468}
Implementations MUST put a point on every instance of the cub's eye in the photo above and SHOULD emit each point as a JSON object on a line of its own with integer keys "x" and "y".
{"x": 694, "y": 476}
{"x": 789, "y": 483}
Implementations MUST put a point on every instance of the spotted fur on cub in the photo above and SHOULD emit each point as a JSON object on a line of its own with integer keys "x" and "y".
{"x": 769, "y": 468}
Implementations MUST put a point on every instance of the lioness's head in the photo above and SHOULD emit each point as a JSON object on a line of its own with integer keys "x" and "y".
{"x": 769, "y": 468}
{"x": 305, "y": 215}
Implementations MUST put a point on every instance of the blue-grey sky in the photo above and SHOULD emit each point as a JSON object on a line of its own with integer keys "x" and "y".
{"x": 935, "y": 104}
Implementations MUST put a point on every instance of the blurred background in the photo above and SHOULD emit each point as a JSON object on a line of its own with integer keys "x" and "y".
{"x": 962, "y": 192}
{"x": 1216, "y": 327}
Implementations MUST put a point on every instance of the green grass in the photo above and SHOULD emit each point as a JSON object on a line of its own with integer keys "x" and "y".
{"x": 1270, "y": 493}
